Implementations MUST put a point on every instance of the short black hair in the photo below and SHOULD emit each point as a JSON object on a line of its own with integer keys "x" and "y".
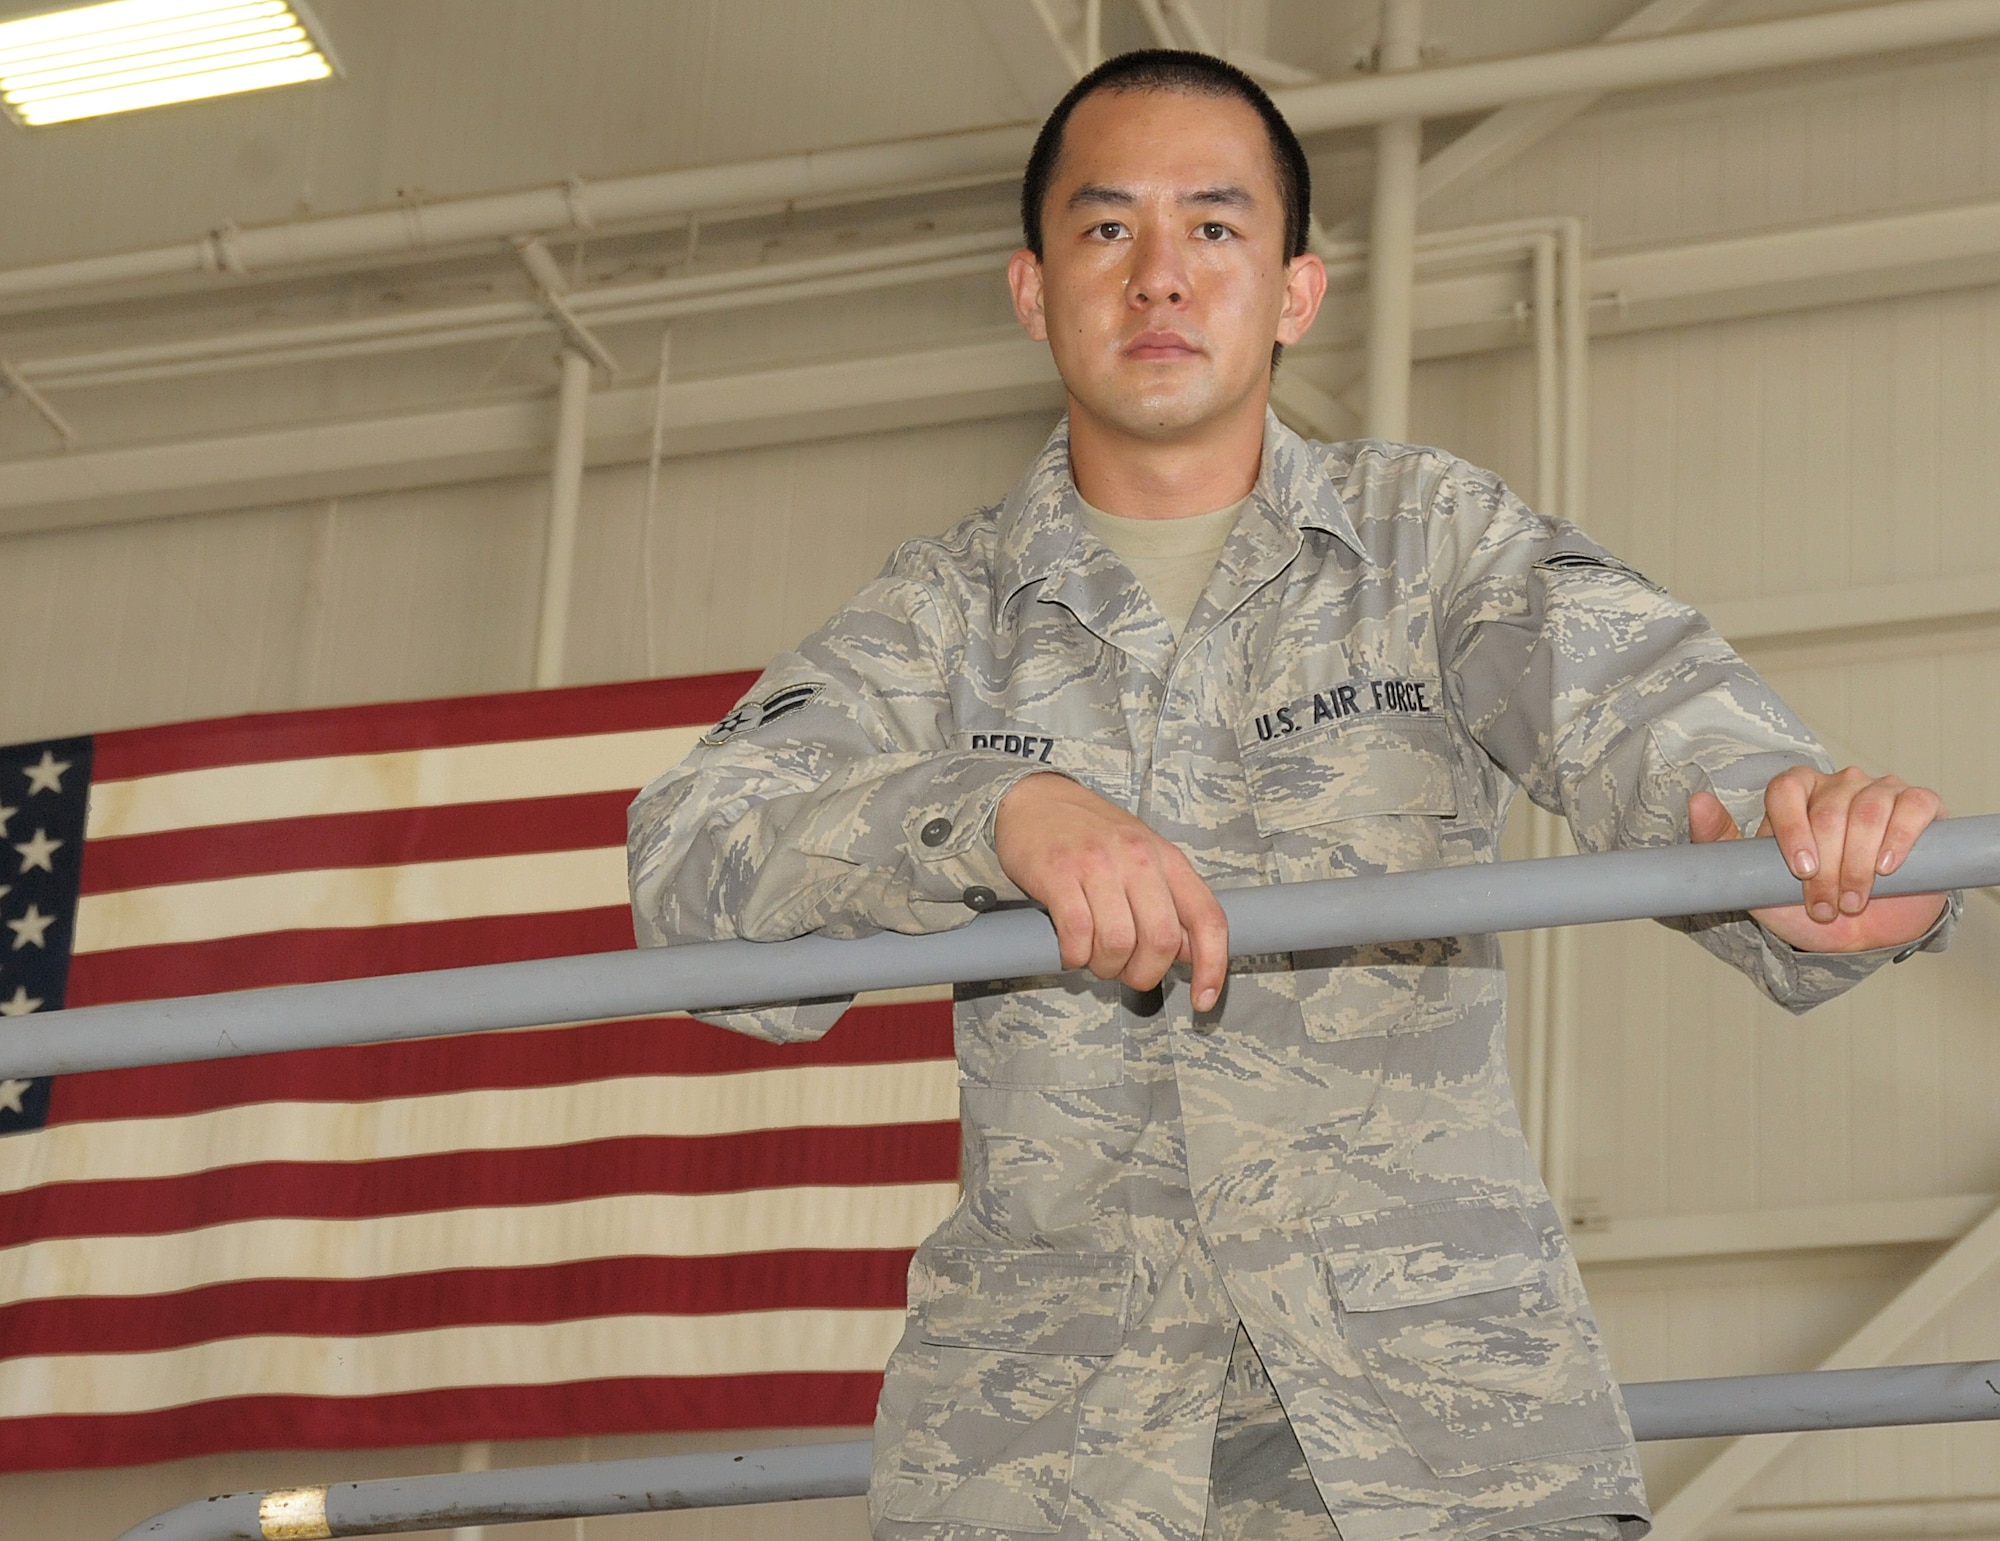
{"x": 1192, "y": 74}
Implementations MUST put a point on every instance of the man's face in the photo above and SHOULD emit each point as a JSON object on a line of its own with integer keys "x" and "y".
{"x": 1163, "y": 281}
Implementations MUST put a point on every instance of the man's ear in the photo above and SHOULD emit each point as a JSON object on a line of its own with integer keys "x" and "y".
{"x": 1024, "y": 282}
{"x": 1305, "y": 287}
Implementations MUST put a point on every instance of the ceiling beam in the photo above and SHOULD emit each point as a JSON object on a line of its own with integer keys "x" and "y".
{"x": 370, "y": 237}
{"x": 471, "y": 443}
{"x": 1513, "y": 130}
{"x": 1732, "y": 277}
{"x": 1509, "y": 133}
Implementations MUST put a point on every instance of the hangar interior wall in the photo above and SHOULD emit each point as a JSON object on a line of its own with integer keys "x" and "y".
{"x": 1807, "y": 453}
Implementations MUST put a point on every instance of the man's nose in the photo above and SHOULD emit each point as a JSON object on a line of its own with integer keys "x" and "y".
{"x": 1158, "y": 276}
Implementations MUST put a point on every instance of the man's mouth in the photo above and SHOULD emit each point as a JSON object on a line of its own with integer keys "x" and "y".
{"x": 1160, "y": 347}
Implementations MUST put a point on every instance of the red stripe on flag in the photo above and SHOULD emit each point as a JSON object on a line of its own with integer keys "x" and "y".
{"x": 386, "y": 839}
{"x": 859, "y": 1156}
{"x": 304, "y": 957}
{"x": 573, "y": 710}
{"x": 580, "y": 1408}
{"x": 596, "y": 1051}
{"x": 417, "y": 1302}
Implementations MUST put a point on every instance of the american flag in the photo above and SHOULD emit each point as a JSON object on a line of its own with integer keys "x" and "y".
{"x": 616, "y": 1227}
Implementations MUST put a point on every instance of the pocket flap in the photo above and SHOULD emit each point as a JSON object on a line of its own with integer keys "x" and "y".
{"x": 1355, "y": 769}
{"x": 1027, "y": 1302}
{"x": 1430, "y": 1253}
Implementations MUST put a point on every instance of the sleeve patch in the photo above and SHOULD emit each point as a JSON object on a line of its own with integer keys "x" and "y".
{"x": 1573, "y": 561}
{"x": 755, "y": 714}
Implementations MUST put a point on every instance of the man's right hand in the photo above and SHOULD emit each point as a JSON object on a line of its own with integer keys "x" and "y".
{"x": 1126, "y": 903}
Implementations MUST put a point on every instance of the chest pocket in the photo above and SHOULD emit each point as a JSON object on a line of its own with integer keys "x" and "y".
{"x": 1368, "y": 796}
{"x": 1060, "y": 1031}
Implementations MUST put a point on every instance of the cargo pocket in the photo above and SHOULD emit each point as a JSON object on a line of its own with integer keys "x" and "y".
{"x": 1365, "y": 796}
{"x": 1014, "y": 1336}
{"x": 1467, "y": 1337}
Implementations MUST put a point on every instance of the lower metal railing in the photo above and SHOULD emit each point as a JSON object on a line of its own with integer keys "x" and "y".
{"x": 1628, "y": 885}
{"x": 1672, "y": 1409}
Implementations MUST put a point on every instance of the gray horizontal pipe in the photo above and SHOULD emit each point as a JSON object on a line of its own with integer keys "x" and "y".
{"x": 1818, "y": 1399}
{"x": 1336, "y": 912}
{"x": 1677, "y": 1409}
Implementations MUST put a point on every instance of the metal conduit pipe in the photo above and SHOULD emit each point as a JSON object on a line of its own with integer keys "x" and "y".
{"x": 997, "y": 153}
{"x": 1630, "y": 64}
{"x": 576, "y": 205}
{"x": 666, "y": 299}
{"x": 1014, "y": 943}
{"x": 615, "y": 304}
{"x": 1392, "y": 235}
{"x": 458, "y": 326}
{"x": 565, "y": 507}
{"x": 1687, "y": 1409}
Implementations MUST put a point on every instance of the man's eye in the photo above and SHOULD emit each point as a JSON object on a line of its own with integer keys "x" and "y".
{"x": 1214, "y": 231}
{"x": 1107, "y": 230}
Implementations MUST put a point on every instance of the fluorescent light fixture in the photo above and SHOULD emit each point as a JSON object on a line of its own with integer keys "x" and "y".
{"x": 119, "y": 57}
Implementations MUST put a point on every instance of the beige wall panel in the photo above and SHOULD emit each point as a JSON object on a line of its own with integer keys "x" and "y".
{"x": 146, "y": 623}
{"x": 749, "y": 552}
{"x": 429, "y": 593}
{"x": 434, "y": 592}
{"x": 1804, "y": 453}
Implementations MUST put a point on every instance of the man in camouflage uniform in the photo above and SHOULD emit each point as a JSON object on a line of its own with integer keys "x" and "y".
{"x": 1256, "y": 1253}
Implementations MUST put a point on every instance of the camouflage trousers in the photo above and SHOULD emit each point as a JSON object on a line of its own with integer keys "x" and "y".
{"x": 1260, "y": 1489}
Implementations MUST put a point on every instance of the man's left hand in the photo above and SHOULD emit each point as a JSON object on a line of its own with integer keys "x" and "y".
{"x": 1837, "y": 833}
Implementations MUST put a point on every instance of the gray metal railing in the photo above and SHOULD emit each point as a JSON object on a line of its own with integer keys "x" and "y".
{"x": 1338, "y": 912}
{"x": 1627, "y": 885}
{"x": 1674, "y": 1409}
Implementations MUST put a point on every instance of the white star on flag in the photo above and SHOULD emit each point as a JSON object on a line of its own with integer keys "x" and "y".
{"x": 29, "y": 929}
{"x": 46, "y": 774}
{"x": 6, "y": 813}
{"x": 11, "y": 1093}
{"x": 37, "y": 851}
{"x": 20, "y": 1003}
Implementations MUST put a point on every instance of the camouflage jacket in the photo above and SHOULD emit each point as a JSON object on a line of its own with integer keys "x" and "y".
{"x": 1389, "y": 644}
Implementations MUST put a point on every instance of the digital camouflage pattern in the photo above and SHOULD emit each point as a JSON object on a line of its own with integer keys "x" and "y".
{"x": 1329, "y": 1165}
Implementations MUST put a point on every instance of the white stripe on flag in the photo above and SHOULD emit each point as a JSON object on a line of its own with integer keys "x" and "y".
{"x": 522, "y": 1236}
{"x": 513, "y": 1118}
{"x": 350, "y": 898}
{"x": 372, "y": 783}
{"x": 600, "y": 1348}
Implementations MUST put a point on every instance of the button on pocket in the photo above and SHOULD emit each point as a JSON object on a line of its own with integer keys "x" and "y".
{"x": 1470, "y": 1335}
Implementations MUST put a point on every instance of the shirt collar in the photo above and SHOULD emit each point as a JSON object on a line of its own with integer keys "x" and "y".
{"x": 1041, "y": 521}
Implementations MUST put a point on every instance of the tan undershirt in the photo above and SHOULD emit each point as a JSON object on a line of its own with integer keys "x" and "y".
{"x": 1171, "y": 558}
